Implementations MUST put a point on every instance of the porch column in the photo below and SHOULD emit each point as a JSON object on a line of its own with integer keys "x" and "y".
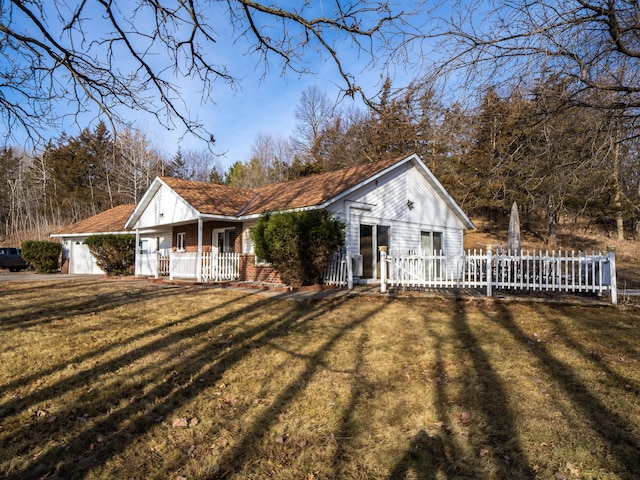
{"x": 199, "y": 254}
{"x": 136, "y": 258}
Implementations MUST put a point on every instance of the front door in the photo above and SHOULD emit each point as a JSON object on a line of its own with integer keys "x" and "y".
{"x": 217, "y": 242}
{"x": 366, "y": 250}
{"x": 371, "y": 239}
{"x": 223, "y": 240}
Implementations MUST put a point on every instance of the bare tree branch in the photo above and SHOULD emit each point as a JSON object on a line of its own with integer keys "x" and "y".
{"x": 595, "y": 42}
{"x": 125, "y": 56}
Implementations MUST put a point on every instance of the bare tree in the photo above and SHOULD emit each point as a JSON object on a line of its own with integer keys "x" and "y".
{"x": 136, "y": 164}
{"x": 595, "y": 43}
{"x": 131, "y": 54}
{"x": 313, "y": 114}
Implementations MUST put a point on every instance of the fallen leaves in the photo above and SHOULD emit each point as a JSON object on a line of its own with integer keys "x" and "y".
{"x": 184, "y": 422}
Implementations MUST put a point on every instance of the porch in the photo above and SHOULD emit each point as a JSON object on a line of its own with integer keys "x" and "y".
{"x": 201, "y": 267}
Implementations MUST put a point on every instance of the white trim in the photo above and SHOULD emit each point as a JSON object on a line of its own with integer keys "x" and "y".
{"x": 88, "y": 234}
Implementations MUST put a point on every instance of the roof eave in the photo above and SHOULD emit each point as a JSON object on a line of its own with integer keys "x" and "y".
{"x": 87, "y": 234}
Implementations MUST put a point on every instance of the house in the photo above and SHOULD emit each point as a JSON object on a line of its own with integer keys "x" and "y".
{"x": 395, "y": 203}
{"x": 76, "y": 257}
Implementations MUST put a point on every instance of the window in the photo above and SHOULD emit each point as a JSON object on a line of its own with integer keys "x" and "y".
{"x": 431, "y": 242}
{"x": 431, "y": 245}
{"x": 180, "y": 245}
{"x": 144, "y": 246}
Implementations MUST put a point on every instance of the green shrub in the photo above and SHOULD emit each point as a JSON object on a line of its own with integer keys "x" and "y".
{"x": 44, "y": 256}
{"x": 114, "y": 254}
{"x": 298, "y": 244}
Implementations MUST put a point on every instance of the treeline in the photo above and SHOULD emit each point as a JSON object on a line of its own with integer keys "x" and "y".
{"x": 72, "y": 179}
{"x": 547, "y": 147}
{"x": 553, "y": 148}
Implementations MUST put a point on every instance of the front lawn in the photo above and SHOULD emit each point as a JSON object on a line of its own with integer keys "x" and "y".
{"x": 127, "y": 379}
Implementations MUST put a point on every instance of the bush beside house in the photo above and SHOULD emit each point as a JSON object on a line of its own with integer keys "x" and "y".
{"x": 298, "y": 244}
{"x": 115, "y": 254}
{"x": 43, "y": 256}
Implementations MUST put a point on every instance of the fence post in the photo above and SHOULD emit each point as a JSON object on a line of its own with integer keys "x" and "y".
{"x": 612, "y": 274}
{"x": 199, "y": 253}
{"x": 383, "y": 269}
{"x": 349, "y": 270}
{"x": 489, "y": 272}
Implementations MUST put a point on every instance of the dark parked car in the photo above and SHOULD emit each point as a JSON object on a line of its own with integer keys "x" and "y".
{"x": 10, "y": 258}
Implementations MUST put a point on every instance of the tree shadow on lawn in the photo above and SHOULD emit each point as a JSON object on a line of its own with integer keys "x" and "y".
{"x": 482, "y": 404}
{"x": 618, "y": 434}
{"x": 103, "y": 304}
{"x": 201, "y": 365}
{"x": 90, "y": 299}
{"x": 239, "y": 455}
{"x": 177, "y": 330}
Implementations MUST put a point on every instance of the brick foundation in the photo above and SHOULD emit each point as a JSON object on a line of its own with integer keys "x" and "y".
{"x": 250, "y": 272}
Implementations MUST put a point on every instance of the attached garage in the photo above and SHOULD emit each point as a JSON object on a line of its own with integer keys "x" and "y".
{"x": 79, "y": 258}
{"x": 76, "y": 257}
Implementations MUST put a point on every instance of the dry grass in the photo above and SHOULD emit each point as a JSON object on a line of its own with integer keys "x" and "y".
{"x": 93, "y": 375}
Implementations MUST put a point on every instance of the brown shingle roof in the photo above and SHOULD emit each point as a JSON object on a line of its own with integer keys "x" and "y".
{"x": 209, "y": 197}
{"x": 315, "y": 189}
{"x": 111, "y": 220}
{"x": 309, "y": 191}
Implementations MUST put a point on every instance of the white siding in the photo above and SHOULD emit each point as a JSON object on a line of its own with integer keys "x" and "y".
{"x": 384, "y": 202}
{"x": 247, "y": 244}
{"x": 430, "y": 208}
{"x": 166, "y": 208}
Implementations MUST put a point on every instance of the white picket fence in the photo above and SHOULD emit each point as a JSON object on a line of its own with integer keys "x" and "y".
{"x": 337, "y": 272}
{"x": 538, "y": 271}
{"x": 163, "y": 265}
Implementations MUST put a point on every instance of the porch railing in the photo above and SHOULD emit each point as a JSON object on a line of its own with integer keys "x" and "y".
{"x": 214, "y": 267}
{"x": 183, "y": 265}
{"x": 220, "y": 267}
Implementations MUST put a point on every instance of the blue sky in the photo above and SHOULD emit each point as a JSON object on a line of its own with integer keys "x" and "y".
{"x": 263, "y": 104}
